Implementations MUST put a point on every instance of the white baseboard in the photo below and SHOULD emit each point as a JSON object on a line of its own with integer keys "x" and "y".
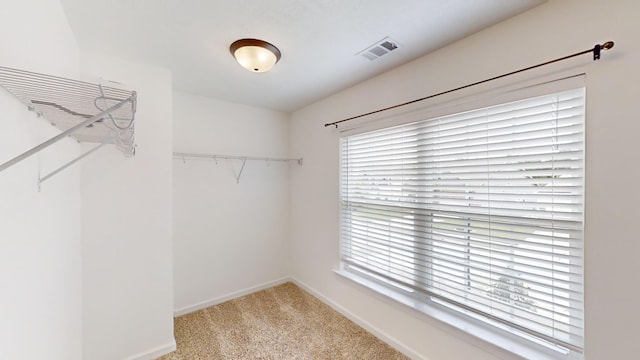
{"x": 219, "y": 300}
{"x": 361, "y": 322}
{"x": 155, "y": 353}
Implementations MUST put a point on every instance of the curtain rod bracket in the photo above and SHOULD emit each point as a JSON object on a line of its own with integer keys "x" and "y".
{"x": 596, "y": 52}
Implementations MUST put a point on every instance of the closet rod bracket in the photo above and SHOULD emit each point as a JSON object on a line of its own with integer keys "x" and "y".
{"x": 244, "y": 162}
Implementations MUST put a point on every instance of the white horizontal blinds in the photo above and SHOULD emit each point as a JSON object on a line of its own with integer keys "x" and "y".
{"x": 482, "y": 209}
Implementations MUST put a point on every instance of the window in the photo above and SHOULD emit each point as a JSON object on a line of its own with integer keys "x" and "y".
{"x": 480, "y": 212}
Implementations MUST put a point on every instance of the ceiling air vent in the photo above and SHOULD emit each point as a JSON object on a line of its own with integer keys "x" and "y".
{"x": 379, "y": 49}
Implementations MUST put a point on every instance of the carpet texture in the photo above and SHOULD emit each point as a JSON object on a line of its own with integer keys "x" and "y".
{"x": 282, "y": 322}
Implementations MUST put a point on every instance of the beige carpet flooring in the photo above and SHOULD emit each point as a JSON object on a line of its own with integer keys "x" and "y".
{"x": 283, "y": 322}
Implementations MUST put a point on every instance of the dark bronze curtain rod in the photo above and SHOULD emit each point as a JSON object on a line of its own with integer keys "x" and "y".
{"x": 596, "y": 56}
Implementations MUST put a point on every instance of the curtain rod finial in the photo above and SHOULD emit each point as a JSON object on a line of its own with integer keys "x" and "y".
{"x": 608, "y": 45}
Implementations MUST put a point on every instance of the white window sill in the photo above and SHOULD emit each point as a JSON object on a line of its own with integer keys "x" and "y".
{"x": 521, "y": 346}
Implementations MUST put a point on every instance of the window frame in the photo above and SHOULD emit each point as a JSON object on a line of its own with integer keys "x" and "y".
{"x": 493, "y": 332}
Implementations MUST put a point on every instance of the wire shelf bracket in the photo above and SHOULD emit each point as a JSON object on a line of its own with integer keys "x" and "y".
{"x": 69, "y": 105}
{"x": 244, "y": 159}
{"x": 42, "y": 179}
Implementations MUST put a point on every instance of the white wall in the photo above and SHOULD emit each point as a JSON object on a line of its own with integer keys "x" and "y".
{"x": 40, "y": 268}
{"x": 228, "y": 236}
{"x": 554, "y": 29}
{"x": 127, "y": 226}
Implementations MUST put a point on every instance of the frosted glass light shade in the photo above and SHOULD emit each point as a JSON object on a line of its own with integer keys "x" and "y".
{"x": 255, "y": 55}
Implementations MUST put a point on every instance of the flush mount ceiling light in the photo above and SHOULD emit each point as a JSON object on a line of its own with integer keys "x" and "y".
{"x": 255, "y": 55}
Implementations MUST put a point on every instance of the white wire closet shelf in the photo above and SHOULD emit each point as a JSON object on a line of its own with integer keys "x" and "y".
{"x": 215, "y": 157}
{"x": 85, "y": 111}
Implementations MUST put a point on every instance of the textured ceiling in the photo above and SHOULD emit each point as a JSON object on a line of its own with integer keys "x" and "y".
{"x": 319, "y": 39}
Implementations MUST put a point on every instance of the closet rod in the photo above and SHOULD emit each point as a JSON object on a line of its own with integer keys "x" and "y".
{"x": 67, "y": 132}
{"x": 596, "y": 56}
{"x": 180, "y": 155}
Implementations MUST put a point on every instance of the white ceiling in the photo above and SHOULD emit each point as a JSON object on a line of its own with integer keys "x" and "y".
{"x": 319, "y": 39}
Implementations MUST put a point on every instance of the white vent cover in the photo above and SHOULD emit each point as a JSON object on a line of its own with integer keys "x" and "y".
{"x": 379, "y": 49}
